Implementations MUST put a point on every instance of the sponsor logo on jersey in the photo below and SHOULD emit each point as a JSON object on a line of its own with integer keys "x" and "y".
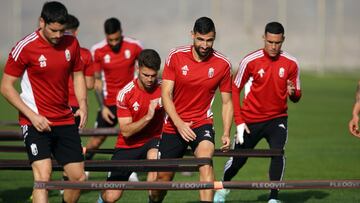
{"x": 211, "y": 72}
{"x": 207, "y": 133}
{"x": 281, "y": 72}
{"x": 107, "y": 58}
{"x": 42, "y": 61}
{"x": 184, "y": 70}
{"x": 34, "y": 149}
{"x": 127, "y": 54}
{"x": 136, "y": 106}
{"x": 261, "y": 72}
{"x": 67, "y": 55}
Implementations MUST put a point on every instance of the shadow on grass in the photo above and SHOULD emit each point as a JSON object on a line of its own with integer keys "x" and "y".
{"x": 297, "y": 197}
{"x": 21, "y": 194}
{"x": 293, "y": 197}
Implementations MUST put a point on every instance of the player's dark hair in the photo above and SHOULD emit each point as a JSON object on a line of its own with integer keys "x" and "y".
{"x": 204, "y": 25}
{"x": 72, "y": 23}
{"x": 274, "y": 28}
{"x": 150, "y": 59}
{"x": 112, "y": 25}
{"x": 54, "y": 12}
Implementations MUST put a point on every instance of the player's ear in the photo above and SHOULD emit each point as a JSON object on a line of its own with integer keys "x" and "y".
{"x": 41, "y": 23}
{"x": 192, "y": 34}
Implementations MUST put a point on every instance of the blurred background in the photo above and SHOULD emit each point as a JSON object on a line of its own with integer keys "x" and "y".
{"x": 324, "y": 35}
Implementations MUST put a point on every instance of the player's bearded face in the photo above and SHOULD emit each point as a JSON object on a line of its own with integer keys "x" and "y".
{"x": 114, "y": 40}
{"x": 273, "y": 43}
{"x": 203, "y": 43}
{"x": 147, "y": 78}
{"x": 52, "y": 32}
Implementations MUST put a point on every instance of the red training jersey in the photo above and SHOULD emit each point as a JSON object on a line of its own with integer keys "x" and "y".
{"x": 265, "y": 80}
{"x": 44, "y": 70}
{"x": 117, "y": 69}
{"x": 88, "y": 70}
{"x": 195, "y": 84}
{"x": 134, "y": 102}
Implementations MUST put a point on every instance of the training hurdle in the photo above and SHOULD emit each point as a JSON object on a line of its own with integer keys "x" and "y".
{"x": 234, "y": 153}
{"x": 243, "y": 185}
{"x": 144, "y": 165}
{"x": 14, "y": 135}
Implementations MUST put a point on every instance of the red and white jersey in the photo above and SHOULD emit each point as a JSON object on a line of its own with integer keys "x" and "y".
{"x": 88, "y": 70}
{"x": 132, "y": 101}
{"x": 44, "y": 70}
{"x": 117, "y": 69}
{"x": 195, "y": 84}
{"x": 265, "y": 80}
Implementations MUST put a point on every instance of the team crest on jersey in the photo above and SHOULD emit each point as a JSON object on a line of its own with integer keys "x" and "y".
{"x": 67, "y": 55}
{"x": 127, "y": 54}
{"x": 211, "y": 72}
{"x": 107, "y": 58}
{"x": 281, "y": 72}
{"x": 184, "y": 70}
{"x": 136, "y": 106}
{"x": 42, "y": 61}
{"x": 34, "y": 149}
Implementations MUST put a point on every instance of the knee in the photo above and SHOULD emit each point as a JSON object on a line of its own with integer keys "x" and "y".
{"x": 162, "y": 177}
{"x": 42, "y": 175}
{"x": 77, "y": 177}
{"x": 109, "y": 196}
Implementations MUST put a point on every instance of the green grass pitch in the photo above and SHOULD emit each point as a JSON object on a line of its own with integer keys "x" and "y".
{"x": 319, "y": 147}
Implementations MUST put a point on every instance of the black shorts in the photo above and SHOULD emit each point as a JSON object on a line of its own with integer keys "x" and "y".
{"x": 63, "y": 142}
{"x": 174, "y": 146}
{"x": 274, "y": 131}
{"x": 77, "y": 118}
{"x": 130, "y": 154}
{"x": 101, "y": 123}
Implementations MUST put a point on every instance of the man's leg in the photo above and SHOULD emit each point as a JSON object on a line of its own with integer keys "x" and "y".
{"x": 42, "y": 172}
{"x": 205, "y": 149}
{"x": 75, "y": 172}
{"x": 276, "y": 138}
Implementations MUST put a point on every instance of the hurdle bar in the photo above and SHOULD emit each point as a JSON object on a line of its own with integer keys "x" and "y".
{"x": 14, "y": 135}
{"x": 9, "y": 123}
{"x": 244, "y": 185}
{"x": 217, "y": 152}
{"x": 144, "y": 165}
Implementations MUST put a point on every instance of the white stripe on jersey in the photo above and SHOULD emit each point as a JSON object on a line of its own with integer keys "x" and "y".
{"x": 133, "y": 41}
{"x": 176, "y": 50}
{"x": 27, "y": 94}
{"x": 243, "y": 65}
{"x": 96, "y": 46}
{"x": 121, "y": 95}
{"x": 103, "y": 79}
{"x": 18, "y": 48}
{"x": 220, "y": 55}
{"x": 209, "y": 113}
{"x": 290, "y": 57}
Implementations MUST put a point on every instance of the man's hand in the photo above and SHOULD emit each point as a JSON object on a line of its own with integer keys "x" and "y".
{"x": 239, "y": 138}
{"x": 225, "y": 139}
{"x": 107, "y": 115}
{"x": 185, "y": 131}
{"x": 83, "y": 117}
{"x": 41, "y": 123}
{"x": 151, "y": 111}
{"x": 354, "y": 126}
{"x": 290, "y": 88}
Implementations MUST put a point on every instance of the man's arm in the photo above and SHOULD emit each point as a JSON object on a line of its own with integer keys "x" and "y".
{"x": 227, "y": 114}
{"x": 81, "y": 96}
{"x": 129, "y": 128}
{"x": 9, "y": 92}
{"x": 354, "y": 122}
{"x": 184, "y": 129}
{"x": 105, "y": 111}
